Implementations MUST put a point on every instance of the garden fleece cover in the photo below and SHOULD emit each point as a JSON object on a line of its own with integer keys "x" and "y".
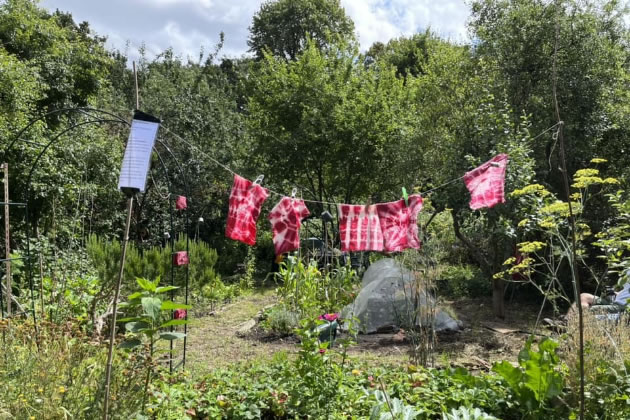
{"x": 391, "y": 297}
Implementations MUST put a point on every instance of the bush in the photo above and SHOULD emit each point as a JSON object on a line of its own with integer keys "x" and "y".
{"x": 463, "y": 281}
{"x": 281, "y": 320}
{"x": 155, "y": 262}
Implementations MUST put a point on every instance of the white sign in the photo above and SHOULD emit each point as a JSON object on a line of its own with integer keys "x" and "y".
{"x": 135, "y": 165}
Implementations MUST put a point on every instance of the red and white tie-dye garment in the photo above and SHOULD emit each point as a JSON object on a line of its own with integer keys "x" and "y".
{"x": 246, "y": 199}
{"x": 286, "y": 219}
{"x": 359, "y": 228}
{"x": 486, "y": 182}
{"x": 399, "y": 223}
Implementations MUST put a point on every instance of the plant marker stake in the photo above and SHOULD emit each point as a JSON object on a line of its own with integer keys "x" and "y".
{"x": 112, "y": 335}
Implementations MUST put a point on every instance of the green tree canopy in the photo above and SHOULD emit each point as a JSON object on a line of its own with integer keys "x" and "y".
{"x": 283, "y": 27}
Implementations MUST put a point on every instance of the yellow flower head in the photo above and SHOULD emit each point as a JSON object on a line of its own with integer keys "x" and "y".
{"x": 528, "y": 247}
{"x": 531, "y": 189}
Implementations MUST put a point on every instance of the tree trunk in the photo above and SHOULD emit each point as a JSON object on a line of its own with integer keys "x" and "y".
{"x": 498, "y": 289}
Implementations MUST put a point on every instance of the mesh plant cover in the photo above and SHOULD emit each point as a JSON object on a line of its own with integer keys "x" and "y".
{"x": 390, "y": 298}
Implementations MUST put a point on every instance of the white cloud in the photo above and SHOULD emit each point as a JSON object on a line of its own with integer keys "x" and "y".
{"x": 381, "y": 20}
{"x": 187, "y": 25}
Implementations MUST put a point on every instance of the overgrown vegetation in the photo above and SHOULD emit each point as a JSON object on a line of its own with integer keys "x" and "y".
{"x": 313, "y": 112}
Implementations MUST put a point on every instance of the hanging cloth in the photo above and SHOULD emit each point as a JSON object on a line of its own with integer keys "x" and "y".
{"x": 486, "y": 183}
{"x": 180, "y": 203}
{"x": 359, "y": 228}
{"x": 246, "y": 199}
{"x": 399, "y": 223}
{"x": 286, "y": 219}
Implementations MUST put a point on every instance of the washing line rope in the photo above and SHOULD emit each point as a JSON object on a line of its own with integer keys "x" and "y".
{"x": 423, "y": 193}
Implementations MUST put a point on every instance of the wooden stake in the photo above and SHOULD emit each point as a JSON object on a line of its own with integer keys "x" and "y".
{"x": 135, "y": 76}
{"x": 112, "y": 335}
{"x": 41, "y": 273}
{"x": 7, "y": 236}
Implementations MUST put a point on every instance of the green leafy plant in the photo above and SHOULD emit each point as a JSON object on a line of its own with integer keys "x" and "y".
{"x": 391, "y": 409}
{"x": 310, "y": 292}
{"x": 151, "y": 323}
{"x": 465, "y": 413}
{"x": 537, "y": 381}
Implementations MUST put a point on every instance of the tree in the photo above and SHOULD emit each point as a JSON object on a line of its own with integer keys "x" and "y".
{"x": 519, "y": 38}
{"x": 409, "y": 55}
{"x": 283, "y": 27}
{"x": 324, "y": 122}
{"x": 49, "y": 63}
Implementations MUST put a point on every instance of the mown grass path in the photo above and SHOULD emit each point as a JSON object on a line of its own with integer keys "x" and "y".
{"x": 213, "y": 342}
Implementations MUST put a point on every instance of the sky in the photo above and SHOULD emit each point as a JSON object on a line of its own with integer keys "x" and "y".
{"x": 190, "y": 25}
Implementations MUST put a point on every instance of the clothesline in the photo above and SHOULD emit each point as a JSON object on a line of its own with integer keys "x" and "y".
{"x": 273, "y": 192}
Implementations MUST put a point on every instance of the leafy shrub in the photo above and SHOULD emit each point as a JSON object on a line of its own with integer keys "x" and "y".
{"x": 281, "y": 320}
{"x": 537, "y": 381}
{"x": 463, "y": 281}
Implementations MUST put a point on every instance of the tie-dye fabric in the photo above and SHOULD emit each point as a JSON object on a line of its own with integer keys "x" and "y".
{"x": 286, "y": 219}
{"x": 399, "y": 223}
{"x": 246, "y": 199}
{"x": 359, "y": 228}
{"x": 486, "y": 183}
{"x": 180, "y": 203}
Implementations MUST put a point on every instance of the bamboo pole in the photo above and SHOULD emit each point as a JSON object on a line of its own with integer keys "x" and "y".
{"x": 112, "y": 335}
{"x": 7, "y": 237}
{"x": 120, "y": 276}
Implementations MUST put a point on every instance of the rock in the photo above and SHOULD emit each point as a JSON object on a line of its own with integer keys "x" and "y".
{"x": 246, "y": 327}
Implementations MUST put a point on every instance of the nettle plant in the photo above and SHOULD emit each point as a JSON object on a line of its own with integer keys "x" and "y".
{"x": 548, "y": 221}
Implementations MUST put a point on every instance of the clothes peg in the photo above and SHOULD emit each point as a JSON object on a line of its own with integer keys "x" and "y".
{"x": 293, "y": 192}
{"x": 259, "y": 179}
{"x": 405, "y": 196}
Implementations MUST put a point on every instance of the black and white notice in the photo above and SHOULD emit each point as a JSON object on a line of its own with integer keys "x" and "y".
{"x": 135, "y": 165}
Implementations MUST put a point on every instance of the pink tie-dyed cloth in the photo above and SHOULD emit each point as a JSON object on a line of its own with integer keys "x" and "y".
{"x": 180, "y": 203}
{"x": 399, "y": 223}
{"x": 486, "y": 182}
{"x": 286, "y": 219}
{"x": 359, "y": 228}
{"x": 246, "y": 199}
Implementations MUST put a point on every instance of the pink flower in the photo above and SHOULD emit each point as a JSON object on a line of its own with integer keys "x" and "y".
{"x": 180, "y": 314}
{"x": 329, "y": 317}
{"x": 322, "y": 351}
